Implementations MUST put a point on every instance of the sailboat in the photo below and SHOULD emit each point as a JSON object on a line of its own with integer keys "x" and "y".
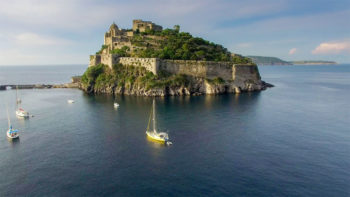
{"x": 19, "y": 111}
{"x": 161, "y": 137}
{"x": 11, "y": 133}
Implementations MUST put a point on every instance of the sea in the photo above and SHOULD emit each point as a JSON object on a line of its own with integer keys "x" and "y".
{"x": 289, "y": 140}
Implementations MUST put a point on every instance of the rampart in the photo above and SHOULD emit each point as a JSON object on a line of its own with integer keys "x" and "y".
{"x": 151, "y": 64}
{"x": 204, "y": 69}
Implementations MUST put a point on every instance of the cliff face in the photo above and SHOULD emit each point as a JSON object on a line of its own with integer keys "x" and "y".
{"x": 244, "y": 79}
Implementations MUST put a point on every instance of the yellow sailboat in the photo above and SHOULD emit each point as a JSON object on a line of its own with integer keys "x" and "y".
{"x": 154, "y": 135}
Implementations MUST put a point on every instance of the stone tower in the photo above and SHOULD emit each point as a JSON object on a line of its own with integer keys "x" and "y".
{"x": 112, "y": 33}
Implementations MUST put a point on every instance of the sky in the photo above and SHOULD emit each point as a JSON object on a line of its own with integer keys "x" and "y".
{"x": 44, "y": 32}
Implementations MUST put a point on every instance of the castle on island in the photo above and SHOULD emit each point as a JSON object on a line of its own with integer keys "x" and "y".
{"x": 116, "y": 38}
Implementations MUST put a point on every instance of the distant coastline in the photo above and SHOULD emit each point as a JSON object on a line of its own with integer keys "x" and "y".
{"x": 263, "y": 60}
{"x": 314, "y": 62}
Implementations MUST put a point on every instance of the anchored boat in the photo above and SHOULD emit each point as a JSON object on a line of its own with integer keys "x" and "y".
{"x": 161, "y": 137}
{"x": 11, "y": 133}
{"x": 20, "y": 112}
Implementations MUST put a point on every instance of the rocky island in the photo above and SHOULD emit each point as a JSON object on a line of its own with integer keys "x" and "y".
{"x": 149, "y": 61}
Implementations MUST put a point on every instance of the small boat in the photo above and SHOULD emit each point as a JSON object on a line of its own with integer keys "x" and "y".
{"x": 20, "y": 112}
{"x": 70, "y": 101}
{"x": 116, "y": 105}
{"x": 161, "y": 137}
{"x": 11, "y": 133}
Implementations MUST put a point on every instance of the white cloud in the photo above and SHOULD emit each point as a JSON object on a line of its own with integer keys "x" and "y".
{"x": 332, "y": 48}
{"x": 14, "y": 56}
{"x": 36, "y": 39}
{"x": 20, "y": 56}
{"x": 81, "y": 14}
{"x": 73, "y": 14}
{"x": 292, "y": 51}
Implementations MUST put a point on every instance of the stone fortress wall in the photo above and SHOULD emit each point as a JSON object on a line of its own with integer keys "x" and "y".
{"x": 151, "y": 64}
{"x": 204, "y": 69}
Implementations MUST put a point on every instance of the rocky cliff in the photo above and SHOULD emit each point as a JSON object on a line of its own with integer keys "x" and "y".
{"x": 130, "y": 80}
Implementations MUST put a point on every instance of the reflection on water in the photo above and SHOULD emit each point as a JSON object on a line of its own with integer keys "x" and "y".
{"x": 155, "y": 143}
{"x": 14, "y": 142}
{"x": 291, "y": 139}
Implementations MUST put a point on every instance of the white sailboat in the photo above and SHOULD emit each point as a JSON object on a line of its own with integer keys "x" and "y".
{"x": 20, "y": 112}
{"x": 11, "y": 133}
{"x": 161, "y": 137}
{"x": 116, "y": 105}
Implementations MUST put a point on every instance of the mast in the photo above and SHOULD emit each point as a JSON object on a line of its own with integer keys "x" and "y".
{"x": 8, "y": 117}
{"x": 18, "y": 100}
{"x": 150, "y": 119}
{"x": 154, "y": 116}
{"x": 16, "y": 97}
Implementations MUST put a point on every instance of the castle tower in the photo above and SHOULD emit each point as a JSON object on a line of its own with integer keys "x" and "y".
{"x": 114, "y": 30}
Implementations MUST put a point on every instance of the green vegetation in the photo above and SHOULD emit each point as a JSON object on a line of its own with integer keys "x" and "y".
{"x": 173, "y": 44}
{"x": 123, "y": 52}
{"x": 261, "y": 60}
{"x": 101, "y": 76}
{"x": 216, "y": 81}
{"x": 102, "y": 48}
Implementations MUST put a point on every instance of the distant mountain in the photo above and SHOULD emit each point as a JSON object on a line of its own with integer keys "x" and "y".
{"x": 308, "y": 62}
{"x": 261, "y": 60}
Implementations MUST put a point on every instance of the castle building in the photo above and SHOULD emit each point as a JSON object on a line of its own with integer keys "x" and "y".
{"x": 116, "y": 38}
{"x": 142, "y": 26}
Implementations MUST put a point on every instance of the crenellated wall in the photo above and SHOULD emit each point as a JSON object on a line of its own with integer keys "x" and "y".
{"x": 151, "y": 64}
{"x": 204, "y": 69}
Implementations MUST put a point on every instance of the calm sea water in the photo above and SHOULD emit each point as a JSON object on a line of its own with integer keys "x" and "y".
{"x": 290, "y": 140}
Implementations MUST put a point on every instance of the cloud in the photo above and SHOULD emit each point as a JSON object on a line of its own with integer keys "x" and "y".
{"x": 64, "y": 14}
{"x": 332, "y": 48}
{"x": 292, "y": 51}
{"x": 36, "y": 39}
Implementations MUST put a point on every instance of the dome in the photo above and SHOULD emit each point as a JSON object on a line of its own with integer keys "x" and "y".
{"x": 114, "y": 26}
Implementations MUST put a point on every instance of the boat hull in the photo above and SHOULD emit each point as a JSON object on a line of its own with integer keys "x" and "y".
{"x": 155, "y": 137}
{"x": 22, "y": 114}
{"x": 10, "y": 136}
